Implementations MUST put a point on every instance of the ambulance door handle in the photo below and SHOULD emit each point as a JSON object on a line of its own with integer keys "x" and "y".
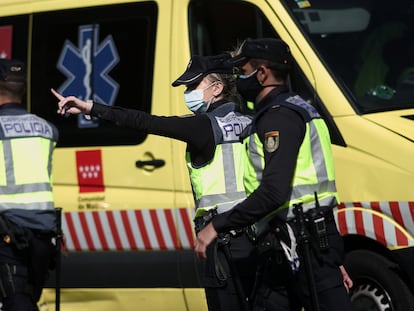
{"x": 155, "y": 163}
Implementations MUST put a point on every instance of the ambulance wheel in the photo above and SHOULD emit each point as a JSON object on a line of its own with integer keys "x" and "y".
{"x": 377, "y": 287}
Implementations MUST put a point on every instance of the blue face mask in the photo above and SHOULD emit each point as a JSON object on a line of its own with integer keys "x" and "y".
{"x": 195, "y": 100}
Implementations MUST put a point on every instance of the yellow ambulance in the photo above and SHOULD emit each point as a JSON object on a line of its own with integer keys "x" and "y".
{"x": 127, "y": 203}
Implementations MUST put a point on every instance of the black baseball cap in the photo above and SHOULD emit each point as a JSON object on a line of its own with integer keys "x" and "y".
{"x": 12, "y": 70}
{"x": 200, "y": 66}
{"x": 271, "y": 49}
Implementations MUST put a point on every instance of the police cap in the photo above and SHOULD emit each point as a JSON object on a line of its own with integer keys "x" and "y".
{"x": 200, "y": 66}
{"x": 12, "y": 70}
{"x": 271, "y": 49}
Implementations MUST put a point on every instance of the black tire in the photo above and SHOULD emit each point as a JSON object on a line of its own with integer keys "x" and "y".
{"x": 377, "y": 287}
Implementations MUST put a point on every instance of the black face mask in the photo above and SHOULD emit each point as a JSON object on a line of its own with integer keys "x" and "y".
{"x": 248, "y": 86}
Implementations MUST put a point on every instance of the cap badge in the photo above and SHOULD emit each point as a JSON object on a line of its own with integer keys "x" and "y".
{"x": 15, "y": 68}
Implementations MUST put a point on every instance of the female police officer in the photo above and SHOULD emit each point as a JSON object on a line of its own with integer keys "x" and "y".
{"x": 213, "y": 149}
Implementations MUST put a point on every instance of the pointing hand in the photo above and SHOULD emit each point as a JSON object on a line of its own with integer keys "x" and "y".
{"x": 71, "y": 104}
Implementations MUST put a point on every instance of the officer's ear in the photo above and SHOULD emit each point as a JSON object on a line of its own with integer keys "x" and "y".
{"x": 218, "y": 88}
{"x": 263, "y": 73}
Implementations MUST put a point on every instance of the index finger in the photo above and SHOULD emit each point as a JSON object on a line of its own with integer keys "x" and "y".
{"x": 57, "y": 95}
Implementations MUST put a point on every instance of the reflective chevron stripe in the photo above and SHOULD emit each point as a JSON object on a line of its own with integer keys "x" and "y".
{"x": 389, "y": 223}
{"x": 150, "y": 229}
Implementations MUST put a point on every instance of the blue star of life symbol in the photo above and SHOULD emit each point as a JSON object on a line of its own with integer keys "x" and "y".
{"x": 86, "y": 68}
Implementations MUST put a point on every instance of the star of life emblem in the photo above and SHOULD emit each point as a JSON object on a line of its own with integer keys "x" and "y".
{"x": 86, "y": 68}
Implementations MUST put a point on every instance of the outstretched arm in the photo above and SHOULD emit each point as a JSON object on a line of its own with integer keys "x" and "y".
{"x": 195, "y": 130}
{"x": 71, "y": 104}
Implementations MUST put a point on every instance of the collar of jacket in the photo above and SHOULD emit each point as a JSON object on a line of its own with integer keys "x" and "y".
{"x": 265, "y": 104}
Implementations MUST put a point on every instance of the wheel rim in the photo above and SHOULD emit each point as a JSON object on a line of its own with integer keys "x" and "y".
{"x": 368, "y": 295}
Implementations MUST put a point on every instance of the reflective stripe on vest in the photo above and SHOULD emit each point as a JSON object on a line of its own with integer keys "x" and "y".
{"x": 22, "y": 184}
{"x": 219, "y": 184}
{"x": 254, "y": 163}
{"x": 314, "y": 170}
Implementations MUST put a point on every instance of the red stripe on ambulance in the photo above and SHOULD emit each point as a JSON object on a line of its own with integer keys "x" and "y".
{"x": 379, "y": 229}
{"x": 86, "y": 232}
{"x": 100, "y": 231}
{"x": 359, "y": 222}
{"x": 171, "y": 227}
{"x": 128, "y": 230}
{"x": 186, "y": 229}
{"x": 396, "y": 212}
{"x": 157, "y": 229}
{"x": 341, "y": 221}
{"x": 411, "y": 207}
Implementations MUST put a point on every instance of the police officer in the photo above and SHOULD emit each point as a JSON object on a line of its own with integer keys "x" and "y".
{"x": 215, "y": 159}
{"x": 27, "y": 216}
{"x": 297, "y": 169}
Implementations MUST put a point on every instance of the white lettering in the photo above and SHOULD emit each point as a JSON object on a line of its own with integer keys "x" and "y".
{"x": 25, "y": 126}
{"x": 232, "y": 126}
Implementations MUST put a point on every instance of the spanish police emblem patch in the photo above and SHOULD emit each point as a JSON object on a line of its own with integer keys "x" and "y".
{"x": 271, "y": 141}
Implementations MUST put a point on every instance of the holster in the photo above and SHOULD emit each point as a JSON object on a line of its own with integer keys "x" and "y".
{"x": 268, "y": 245}
{"x": 13, "y": 279}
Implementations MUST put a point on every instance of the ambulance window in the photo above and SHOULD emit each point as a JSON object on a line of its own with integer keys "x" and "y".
{"x": 217, "y": 26}
{"x": 367, "y": 46}
{"x": 13, "y": 35}
{"x": 90, "y": 53}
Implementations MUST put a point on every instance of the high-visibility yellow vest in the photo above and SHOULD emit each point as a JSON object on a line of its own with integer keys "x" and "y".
{"x": 219, "y": 183}
{"x": 254, "y": 163}
{"x": 26, "y": 147}
{"x": 314, "y": 170}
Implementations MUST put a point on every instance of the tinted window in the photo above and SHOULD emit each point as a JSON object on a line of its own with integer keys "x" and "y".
{"x": 91, "y": 53}
{"x": 368, "y": 47}
{"x": 217, "y": 26}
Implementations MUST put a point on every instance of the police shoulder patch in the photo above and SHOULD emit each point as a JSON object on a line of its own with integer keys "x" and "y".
{"x": 271, "y": 141}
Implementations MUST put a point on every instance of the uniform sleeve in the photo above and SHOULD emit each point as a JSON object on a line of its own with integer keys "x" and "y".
{"x": 275, "y": 187}
{"x": 193, "y": 129}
